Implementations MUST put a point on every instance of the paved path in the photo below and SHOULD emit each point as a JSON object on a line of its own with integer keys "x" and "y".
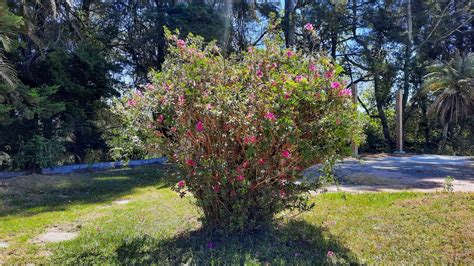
{"x": 408, "y": 172}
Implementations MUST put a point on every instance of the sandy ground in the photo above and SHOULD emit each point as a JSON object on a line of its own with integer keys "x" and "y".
{"x": 407, "y": 172}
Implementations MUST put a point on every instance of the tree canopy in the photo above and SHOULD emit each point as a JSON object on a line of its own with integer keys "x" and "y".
{"x": 62, "y": 61}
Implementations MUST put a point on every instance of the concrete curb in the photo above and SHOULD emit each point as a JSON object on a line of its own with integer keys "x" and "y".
{"x": 5, "y": 175}
{"x": 74, "y": 168}
{"x": 67, "y": 169}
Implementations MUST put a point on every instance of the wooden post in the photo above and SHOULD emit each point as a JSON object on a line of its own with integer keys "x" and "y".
{"x": 399, "y": 122}
{"x": 355, "y": 149}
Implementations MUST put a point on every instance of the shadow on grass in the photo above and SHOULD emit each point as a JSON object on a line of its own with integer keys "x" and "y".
{"x": 33, "y": 194}
{"x": 297, "y": 242}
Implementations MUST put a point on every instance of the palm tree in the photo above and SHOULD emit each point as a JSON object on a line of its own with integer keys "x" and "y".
{"x": 9, "y": 24}
{"x": 452, "y": 84}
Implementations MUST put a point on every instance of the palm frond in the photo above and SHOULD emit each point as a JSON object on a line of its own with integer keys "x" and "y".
{"x": 452, "y": 84}
{"x": 7, "y": 72}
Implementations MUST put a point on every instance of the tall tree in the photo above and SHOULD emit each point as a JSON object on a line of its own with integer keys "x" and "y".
{"x": 453, "y": 85}
{"x": 9, "y": 25}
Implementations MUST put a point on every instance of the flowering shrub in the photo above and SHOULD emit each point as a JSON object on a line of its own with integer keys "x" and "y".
{"x": 243, "y": 127}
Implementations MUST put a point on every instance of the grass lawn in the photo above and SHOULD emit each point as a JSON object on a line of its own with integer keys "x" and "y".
{"x": 157, "y": 226}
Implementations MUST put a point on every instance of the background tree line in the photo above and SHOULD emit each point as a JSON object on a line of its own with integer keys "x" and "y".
{"x": 61, "y": 62}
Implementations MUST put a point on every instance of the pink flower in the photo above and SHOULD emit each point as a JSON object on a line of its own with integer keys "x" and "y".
{"x": 261, "y": 161}
{"x": 160, "y": 119}
{"x": 259, "y": 73}
{"x": 131, "y": 102}
{"x": 181, "y": 99}
{"x": 282, "y": 194}
{"x": 181, "y": 183}
{"x": 181, "y": 43}
{"x": 335, "y": 85}
{"x": 345, "y": 92}
{"x": 289, "y": 53}
{"x": 199, "y": 126}
{"x": 250, "y": 139}
{"x": 328, "y": 74}
{"x": 173, "y": 129}
{"x": 287, "y": 96}
{"x": 286, "y": 154}
{"x": 250, "y": 49}
{"x": 216, "y": 188}
{"x": 309, "y": 27}
{"x": 209, "y": 106}
{"x": 312, "y": 68}
{"x": 298, "y": 78}
{"x": 245, "y": 164}
{"x": 240, "y": 178}
{"x": 330, "y": 253}
{"x": 270, "y": 116}
{"x": 190, "y": 162}
{"x": 150, "y": 86}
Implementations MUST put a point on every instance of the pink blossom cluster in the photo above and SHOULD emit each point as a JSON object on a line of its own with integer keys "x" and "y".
{"x": 131, "y": 102}
{"x": 250, "y": 139}
{"x": 181, "y": 43}
{"x": 199, "y": 126}
{"x": 270, "y": 116}
{"x": 345, "y": 93}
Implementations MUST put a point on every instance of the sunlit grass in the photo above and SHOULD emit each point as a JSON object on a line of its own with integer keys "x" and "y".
{"x": 158, "y": 226}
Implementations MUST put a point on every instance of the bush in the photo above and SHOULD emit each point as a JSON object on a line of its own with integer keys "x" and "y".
{"x": 128, "y": 142}
{"x": 40, "y": 152}
{"x": 5, "y": 161}
{"x": 243, "y": 127}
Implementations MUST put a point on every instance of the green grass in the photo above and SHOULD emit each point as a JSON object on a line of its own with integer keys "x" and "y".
{"x": 157, "y": 226}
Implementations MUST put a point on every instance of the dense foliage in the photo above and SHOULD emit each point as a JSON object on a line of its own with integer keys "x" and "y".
{"x": 59, "y": 105}
{"x": 453, "y": 84}
{"x": 71, "y": 56}
{"x": 58, "y": 71}
{"x": 243, "y": 128}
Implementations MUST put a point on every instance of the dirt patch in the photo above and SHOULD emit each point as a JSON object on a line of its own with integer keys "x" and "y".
{"x": 3, "y": 244}
{"x": 121, "y": 201}
{"x": 56, "y": 234}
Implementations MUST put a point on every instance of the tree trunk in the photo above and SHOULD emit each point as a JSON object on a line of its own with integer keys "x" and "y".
{"x": 333, "y": 45}
{"x": 445, "y": 137}
{"x": 86, "y": 9}
{"x": 407, "y": 58}
{"x": 424, "y": 123}
{"x": 382, "y": 116}
{"x": 290, "y": 6}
